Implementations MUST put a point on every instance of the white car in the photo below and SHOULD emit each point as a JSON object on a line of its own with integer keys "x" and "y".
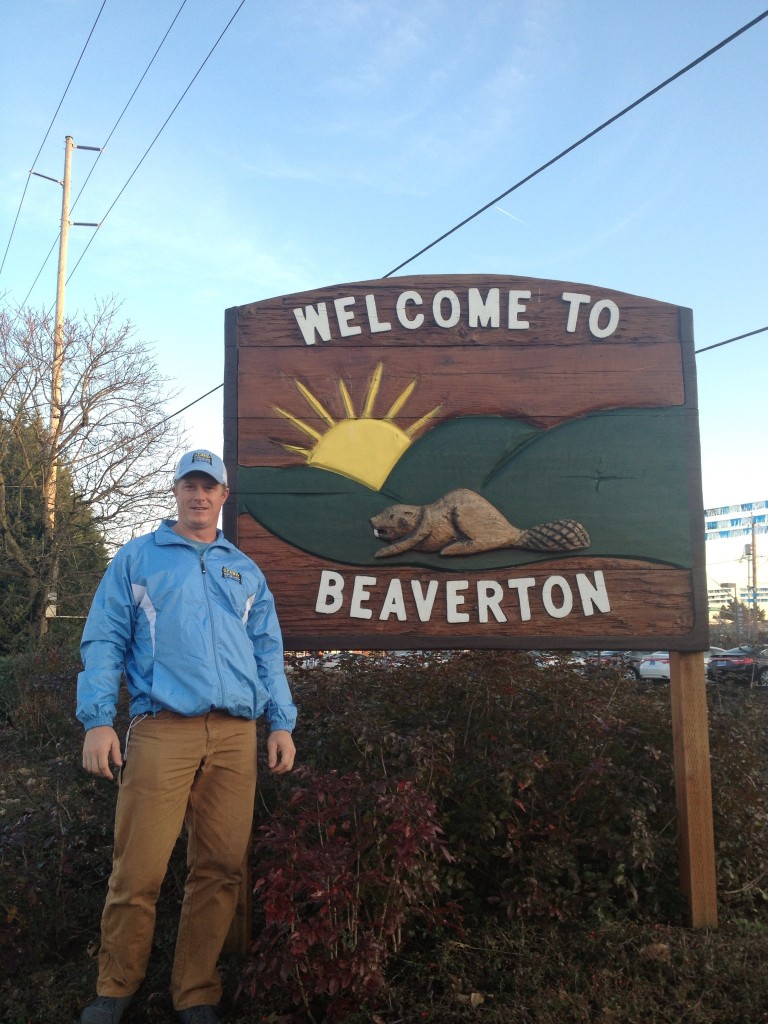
{"x": 655, "y": 666}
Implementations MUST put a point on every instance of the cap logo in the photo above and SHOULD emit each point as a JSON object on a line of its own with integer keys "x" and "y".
{"x": 202, "y": 461}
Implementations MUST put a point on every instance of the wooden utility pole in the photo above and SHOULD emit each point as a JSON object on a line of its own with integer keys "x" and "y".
{"x": 50, "y": 478}
{"x": 54, "y": 424}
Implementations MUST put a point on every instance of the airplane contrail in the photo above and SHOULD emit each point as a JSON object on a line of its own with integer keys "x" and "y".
{"x": 502, "y": 210}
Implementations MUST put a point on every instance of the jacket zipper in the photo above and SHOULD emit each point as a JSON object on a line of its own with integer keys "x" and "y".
{"x": 204, "y": 572}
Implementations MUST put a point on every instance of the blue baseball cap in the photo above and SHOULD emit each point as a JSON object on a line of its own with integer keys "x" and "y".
{"x": 201, "y": 461}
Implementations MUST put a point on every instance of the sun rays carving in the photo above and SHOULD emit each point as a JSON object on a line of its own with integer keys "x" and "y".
{"x": 361, "y": 446}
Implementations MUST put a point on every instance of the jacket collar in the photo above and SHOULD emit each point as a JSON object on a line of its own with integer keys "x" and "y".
{"x": 165, "y": 535}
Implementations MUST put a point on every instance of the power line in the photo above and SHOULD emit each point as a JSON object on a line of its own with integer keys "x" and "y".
{"x": 112, "y": 132}
{"x": 554, "y": 160}
{"x": 461, "y": 224}
{"x": 157, "y": 136}
{"x": 728, "y": 341}
{"x": 58, "y": 108}
{"x": 190, "y": 404}
{"x": 707, "y": 348}
{"x": 582, "y": 140}
{"x": 173, "y": 415}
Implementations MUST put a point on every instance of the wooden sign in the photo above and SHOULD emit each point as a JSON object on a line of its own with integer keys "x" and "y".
{"x": 469, "y": 461}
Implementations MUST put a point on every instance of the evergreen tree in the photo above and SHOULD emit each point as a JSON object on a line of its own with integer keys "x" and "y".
{"x": 81, "y": 551}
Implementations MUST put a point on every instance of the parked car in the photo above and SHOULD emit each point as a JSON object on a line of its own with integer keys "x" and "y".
{"x": 711, "y": 653}
{"x": 551, "y": 659}
{"x": 315, "y": 659}
{"x": 745, "y": 664}
{"x": 627, "y": 660}
{"x": 655, "y": 666}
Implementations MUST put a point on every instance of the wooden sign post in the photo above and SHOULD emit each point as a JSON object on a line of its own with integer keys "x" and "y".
{"x": 479, "y": 461}
{"x": 693, "y": 787}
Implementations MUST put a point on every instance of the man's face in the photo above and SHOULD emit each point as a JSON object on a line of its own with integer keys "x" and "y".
{"x": 198, "y": 501}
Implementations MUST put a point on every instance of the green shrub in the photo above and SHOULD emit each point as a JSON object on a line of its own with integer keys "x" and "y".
{"x": 55, "y": 823}
{"x": 737, "y": 737}
{"x": 554, "y": 794}
{"x": 36, "y": 690}
{"x": 554, "y": 789}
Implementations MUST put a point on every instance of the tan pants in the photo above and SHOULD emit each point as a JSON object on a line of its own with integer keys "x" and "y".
{"x": 202, "y": 772}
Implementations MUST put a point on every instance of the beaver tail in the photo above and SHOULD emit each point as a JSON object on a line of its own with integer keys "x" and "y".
{"x": 559, "y": 535}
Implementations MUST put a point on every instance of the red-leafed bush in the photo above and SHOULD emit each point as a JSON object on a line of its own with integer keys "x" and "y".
{"x": 554, "y": 790}
{"x": 343, "y": 871}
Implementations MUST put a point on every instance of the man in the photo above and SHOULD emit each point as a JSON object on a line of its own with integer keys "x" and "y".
{"x": 190, "y": 622}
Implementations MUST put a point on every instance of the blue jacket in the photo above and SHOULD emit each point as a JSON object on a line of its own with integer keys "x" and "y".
{"x": 192, "y": 634}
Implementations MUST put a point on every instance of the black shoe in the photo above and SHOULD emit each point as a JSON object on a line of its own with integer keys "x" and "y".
{"x": 105, "y": 1010}
{"x": 198, "y": 1015}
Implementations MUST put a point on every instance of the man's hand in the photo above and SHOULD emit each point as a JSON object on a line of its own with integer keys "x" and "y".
{"x": 280, "y": 751}
{"x": 101, "y": 745}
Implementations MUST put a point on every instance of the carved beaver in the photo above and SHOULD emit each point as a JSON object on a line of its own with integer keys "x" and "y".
{"x": 462, "y": 522}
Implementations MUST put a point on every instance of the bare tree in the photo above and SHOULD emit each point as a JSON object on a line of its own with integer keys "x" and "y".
{"x": 112, "y": 435}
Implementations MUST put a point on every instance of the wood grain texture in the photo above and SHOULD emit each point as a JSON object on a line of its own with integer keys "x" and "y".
{"x": 271, "y": 321}
{"x": 693, "y": 787}
{"x": 549, "y": 361}
{"x": 648, "y": 602}
{"x": 542, "y": 386}
{"x": 554, "y": 370}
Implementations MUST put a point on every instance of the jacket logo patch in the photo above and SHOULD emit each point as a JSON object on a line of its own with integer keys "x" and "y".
{"x": 230, "y": 574}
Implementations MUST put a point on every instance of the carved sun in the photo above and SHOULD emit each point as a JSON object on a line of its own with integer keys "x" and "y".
{"x": 362, "y": 447}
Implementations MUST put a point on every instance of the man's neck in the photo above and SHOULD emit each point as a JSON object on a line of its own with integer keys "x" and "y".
{"x": 206, "y": 536}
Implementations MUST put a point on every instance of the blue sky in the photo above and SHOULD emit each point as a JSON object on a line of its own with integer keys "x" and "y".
{"x": 328, "y": 142}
